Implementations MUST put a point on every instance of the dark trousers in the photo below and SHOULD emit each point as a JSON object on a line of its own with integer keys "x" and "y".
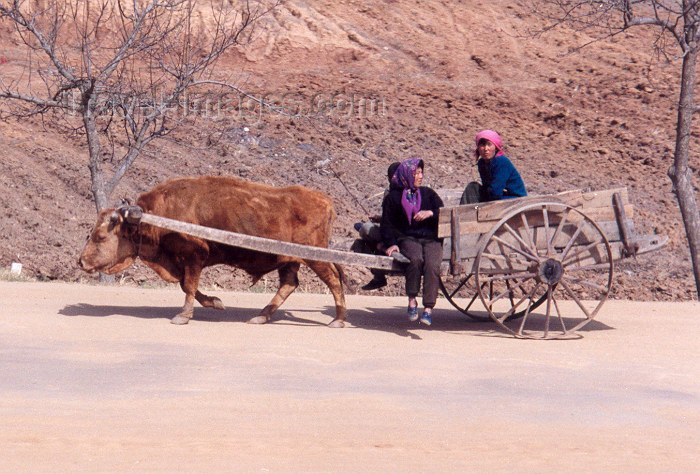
{"x": 425, "y": 256}
{"x": 473, "y": 193}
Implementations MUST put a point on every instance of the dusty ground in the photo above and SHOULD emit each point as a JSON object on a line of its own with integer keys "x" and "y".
{"x": 95, "y": 379}
{"x": 599, "y": 118}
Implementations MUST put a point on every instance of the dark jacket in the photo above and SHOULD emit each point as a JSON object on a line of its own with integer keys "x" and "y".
{"x": 395, "y": 224}
{"x": 500, "y": 179}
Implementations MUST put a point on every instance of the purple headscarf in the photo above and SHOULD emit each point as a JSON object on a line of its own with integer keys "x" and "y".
{"x": 403, "y": 178}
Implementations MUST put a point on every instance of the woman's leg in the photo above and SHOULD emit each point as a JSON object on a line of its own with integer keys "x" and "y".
{"x": 413, "y": 250}
{"x": 432, "y": 257}
{"x": 472, "y": 193}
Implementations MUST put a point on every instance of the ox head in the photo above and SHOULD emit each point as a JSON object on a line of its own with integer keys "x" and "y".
{"x": 110, "y": 247}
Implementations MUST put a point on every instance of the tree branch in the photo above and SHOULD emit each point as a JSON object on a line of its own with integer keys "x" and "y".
{"x": 664, "y": 25}
{"x": 44, "y": 103}
{"x": 47, "y": 45}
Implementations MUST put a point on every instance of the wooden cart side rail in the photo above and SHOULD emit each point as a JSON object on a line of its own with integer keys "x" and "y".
{"x": 598, "y": 214}
{"x": 596, "y": 204}
{"x": 272, "y": 246}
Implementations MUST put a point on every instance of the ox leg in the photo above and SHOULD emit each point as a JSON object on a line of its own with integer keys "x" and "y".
{"x": 330, "y": 275}
{"x": 208, "y": 301}
{"x": 168, "y": 271}
{"x": 289, "y": 281}
{"x": 189, "y": 284}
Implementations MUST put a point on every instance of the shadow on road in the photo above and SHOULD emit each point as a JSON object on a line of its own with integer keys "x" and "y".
{"x": 392, "y": 320}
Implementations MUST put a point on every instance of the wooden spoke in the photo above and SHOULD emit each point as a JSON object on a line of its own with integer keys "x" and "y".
{"x": 531, "y": 258}
{"x": 510, "y": 292}
{"x": 522, "y": 321}
{"x": 502, "y": 257}
{"x": 509, "y": 261}
{"x": 559, "y": 227}
{"x": 531, "y": 251}
{"x": 529, "y": 307}
{"x": 575, "y": 298}
{"x": 500, "y": 267}
{"x": 579, "y": 228}
{"x": 511, "y": 266}
{"x": 545, "y": 218}
{"x": 461, "y": 285}
{"x": 588, "y": 284}
{"x": 514, "y": 276}
{"x": 561, "y": 319}
{"x": 471, "y": 302}
{"x": 471, "y": 294}
{"x": 549, "y": 308}
{"x": 506, "y": 257}
{"x": 595, "y": 266}
{"x": 518, "y": 285}
{"x": 529, "y": 233}
{"x": 500, "y": 295}
{"x": 580, "y": 251}
{"x": 510, "y": 312}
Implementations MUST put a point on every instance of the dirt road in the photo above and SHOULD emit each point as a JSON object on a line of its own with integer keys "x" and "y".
{"x": 96, "y": 379}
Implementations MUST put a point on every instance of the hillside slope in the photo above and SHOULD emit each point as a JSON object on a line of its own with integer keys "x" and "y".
{"x": 598, "y": 118}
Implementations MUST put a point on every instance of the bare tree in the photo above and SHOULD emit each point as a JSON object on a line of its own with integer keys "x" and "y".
{"x": 677, "y": 23}
{"x": 119, "y": 72}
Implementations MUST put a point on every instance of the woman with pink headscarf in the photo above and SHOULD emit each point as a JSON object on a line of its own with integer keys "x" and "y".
{"x": 409, "y": 225}
{"x": 499, "y": 178}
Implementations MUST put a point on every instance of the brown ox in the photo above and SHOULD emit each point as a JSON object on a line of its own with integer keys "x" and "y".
{"x": 293, "y": 214}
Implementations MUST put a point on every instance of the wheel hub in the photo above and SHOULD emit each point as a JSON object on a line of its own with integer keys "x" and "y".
{"x": 550, "y": 271}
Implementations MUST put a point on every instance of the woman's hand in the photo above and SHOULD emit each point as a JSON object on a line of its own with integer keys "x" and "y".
{"x": 423, "y": 215}
{"x": 392, "y": 249}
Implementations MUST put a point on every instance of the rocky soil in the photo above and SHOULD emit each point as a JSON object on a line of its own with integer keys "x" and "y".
{"x": 594, "y": 118}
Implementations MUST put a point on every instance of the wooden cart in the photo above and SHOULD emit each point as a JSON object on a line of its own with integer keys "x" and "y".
{"x": 502, "y": 259}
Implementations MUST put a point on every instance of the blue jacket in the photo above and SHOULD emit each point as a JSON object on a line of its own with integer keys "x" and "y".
{"x": 500, "y": 179}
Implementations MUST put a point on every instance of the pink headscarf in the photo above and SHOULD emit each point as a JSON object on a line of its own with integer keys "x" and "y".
{"x": 491, "y": 136}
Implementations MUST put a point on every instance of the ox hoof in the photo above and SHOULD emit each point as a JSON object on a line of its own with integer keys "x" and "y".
{"x": 180, "y": 319}
{"x": 214, "y": 303}
{"x": 258, "y": 320}
{"x": 336, "y": 323}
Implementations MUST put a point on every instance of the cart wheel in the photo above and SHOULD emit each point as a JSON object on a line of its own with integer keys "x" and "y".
{"x": 460, "y": 291}
{"x": 544, "y": 252}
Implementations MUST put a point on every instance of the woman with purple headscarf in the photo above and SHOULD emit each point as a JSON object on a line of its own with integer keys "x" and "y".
{"x": 499, "y": 178}
{"x": 409, "y": 225}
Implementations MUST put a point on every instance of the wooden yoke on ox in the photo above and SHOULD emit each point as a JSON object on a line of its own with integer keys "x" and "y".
{"x": 134, "y": 215}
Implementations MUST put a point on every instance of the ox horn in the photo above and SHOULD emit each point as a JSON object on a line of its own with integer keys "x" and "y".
{"x": 113, "y": 219}
{"x": 133, "y": 214}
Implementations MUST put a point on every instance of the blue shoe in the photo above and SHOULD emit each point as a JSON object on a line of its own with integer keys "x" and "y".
{"x": 426, "y": 318}
{"x": 413, "y": 314}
